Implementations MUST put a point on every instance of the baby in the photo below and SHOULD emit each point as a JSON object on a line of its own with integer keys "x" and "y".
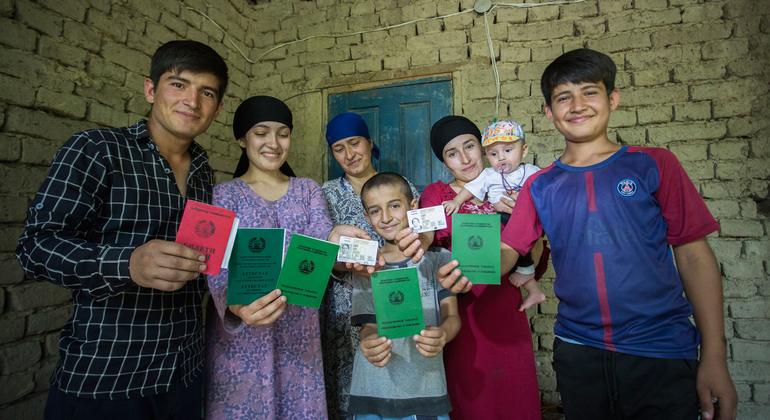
{"x": 504, "y": 147}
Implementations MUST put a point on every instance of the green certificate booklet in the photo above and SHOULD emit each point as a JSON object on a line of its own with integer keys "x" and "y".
{"x": 397, "y": 302}
{"x": 476, "y": 245}
{"x": 306, "y": 270}
{"x": 254, "y": 264}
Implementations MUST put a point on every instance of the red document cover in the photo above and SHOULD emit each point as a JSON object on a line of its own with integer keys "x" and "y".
{"x": 206, "y": 229}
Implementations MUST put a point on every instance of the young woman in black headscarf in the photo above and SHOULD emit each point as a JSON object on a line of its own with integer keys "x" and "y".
{"x": 264, "y": 358}
{"x": 490, "y": 367}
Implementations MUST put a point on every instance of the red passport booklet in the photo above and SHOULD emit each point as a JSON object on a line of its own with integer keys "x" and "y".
{"x": 206, "y": 229}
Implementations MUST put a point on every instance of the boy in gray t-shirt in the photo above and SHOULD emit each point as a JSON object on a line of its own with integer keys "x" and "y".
{"x": 400, "y": 377}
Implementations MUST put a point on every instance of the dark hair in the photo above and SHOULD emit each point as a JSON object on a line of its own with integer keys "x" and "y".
{"x": 578, "y": 66}
{"x": 255, "y": 110}
{"x": 446, "y": 129}
{"x": 387, "y": 178}
{"x": 180, "y": 55}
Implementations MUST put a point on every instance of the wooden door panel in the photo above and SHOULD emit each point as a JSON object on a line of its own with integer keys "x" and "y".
{"x": 399, "y": 117}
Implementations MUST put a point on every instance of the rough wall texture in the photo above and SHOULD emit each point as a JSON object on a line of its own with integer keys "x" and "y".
{"x": 693, "y": 76}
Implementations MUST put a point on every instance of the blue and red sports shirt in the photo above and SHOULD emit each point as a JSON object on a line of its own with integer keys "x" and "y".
{"x": 610, "y": 226}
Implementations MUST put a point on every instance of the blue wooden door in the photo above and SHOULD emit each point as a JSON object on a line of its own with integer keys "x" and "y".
{"x": 399, "y": 117}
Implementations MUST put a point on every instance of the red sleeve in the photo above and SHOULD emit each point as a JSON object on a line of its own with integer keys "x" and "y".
{"x": 524, "y": 227}
{"x": 681, "y": 205}
{"x": 433, "y": 195}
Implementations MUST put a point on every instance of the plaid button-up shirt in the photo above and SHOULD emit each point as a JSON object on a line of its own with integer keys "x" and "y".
{"x": 107, "y": 192}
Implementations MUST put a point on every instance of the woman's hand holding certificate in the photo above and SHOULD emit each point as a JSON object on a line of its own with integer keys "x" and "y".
{"x": 263, "y": 311}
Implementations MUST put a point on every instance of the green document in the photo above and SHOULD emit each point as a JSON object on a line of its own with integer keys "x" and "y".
{"x": 476, "y": 245}
{"x": 397, "y": 302}
{"x": 254, "y": 264}
{"x": 306, "y": 270}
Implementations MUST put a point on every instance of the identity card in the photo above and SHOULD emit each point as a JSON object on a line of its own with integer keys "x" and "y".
{"x": 355, "y": 250}
{"x": 427, "y": 219}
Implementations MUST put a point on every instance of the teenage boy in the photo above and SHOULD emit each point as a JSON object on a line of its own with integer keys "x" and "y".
{"x": 103, "y": 225}
{"x": 625, "y": 346}
{"x": 400, "y": 378}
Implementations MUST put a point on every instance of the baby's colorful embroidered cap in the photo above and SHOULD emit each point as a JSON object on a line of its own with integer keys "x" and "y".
{"x": 502, "y": 131}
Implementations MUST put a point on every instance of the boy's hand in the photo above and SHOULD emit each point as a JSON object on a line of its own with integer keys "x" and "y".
{"x": 450, "y": 207}
{"x": 413, "y": 245}
{"x": 376, "y": 349}
{"x": 716, "y": 392}
{"x": 699, "y": 271}
{"x": 263, "y": 311}
{"x": 451, "y": 278}
{"x": 431, "y": 341}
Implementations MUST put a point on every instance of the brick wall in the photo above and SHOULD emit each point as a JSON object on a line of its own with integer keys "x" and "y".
{"x": 693, "y": 76}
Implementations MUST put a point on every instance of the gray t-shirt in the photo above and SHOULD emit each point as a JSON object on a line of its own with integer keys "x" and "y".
{"x": 410, "y": 384}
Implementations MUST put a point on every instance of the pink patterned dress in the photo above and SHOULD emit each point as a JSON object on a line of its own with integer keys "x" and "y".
{"x": 272, "y": 372}
{"x": 490, "y": 366}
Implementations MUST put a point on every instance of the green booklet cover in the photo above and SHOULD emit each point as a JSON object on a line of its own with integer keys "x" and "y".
{"x": 254, "y": 264}
{"x": 397, "y": 302}
{"x": 476, "y": 245}
{"x": 306, "y": 270}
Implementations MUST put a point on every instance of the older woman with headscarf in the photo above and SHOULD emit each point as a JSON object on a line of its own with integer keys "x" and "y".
{"x": 264, "y": 358}
{"x": 348, "y": 137}
{"x": 490, "y": 366}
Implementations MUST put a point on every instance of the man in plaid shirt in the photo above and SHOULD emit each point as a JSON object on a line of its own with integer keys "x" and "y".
{"x": 103, "y": 225}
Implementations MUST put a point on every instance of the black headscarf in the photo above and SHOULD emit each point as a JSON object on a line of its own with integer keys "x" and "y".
{"x": 255, "y": 110}
{"x": 447, "y": 128}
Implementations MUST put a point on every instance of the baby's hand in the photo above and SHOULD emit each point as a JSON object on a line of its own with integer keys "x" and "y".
{"x": 504, "y": 205}
{"x": 450, "y": 207}
{"x": 431, "y": 341}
